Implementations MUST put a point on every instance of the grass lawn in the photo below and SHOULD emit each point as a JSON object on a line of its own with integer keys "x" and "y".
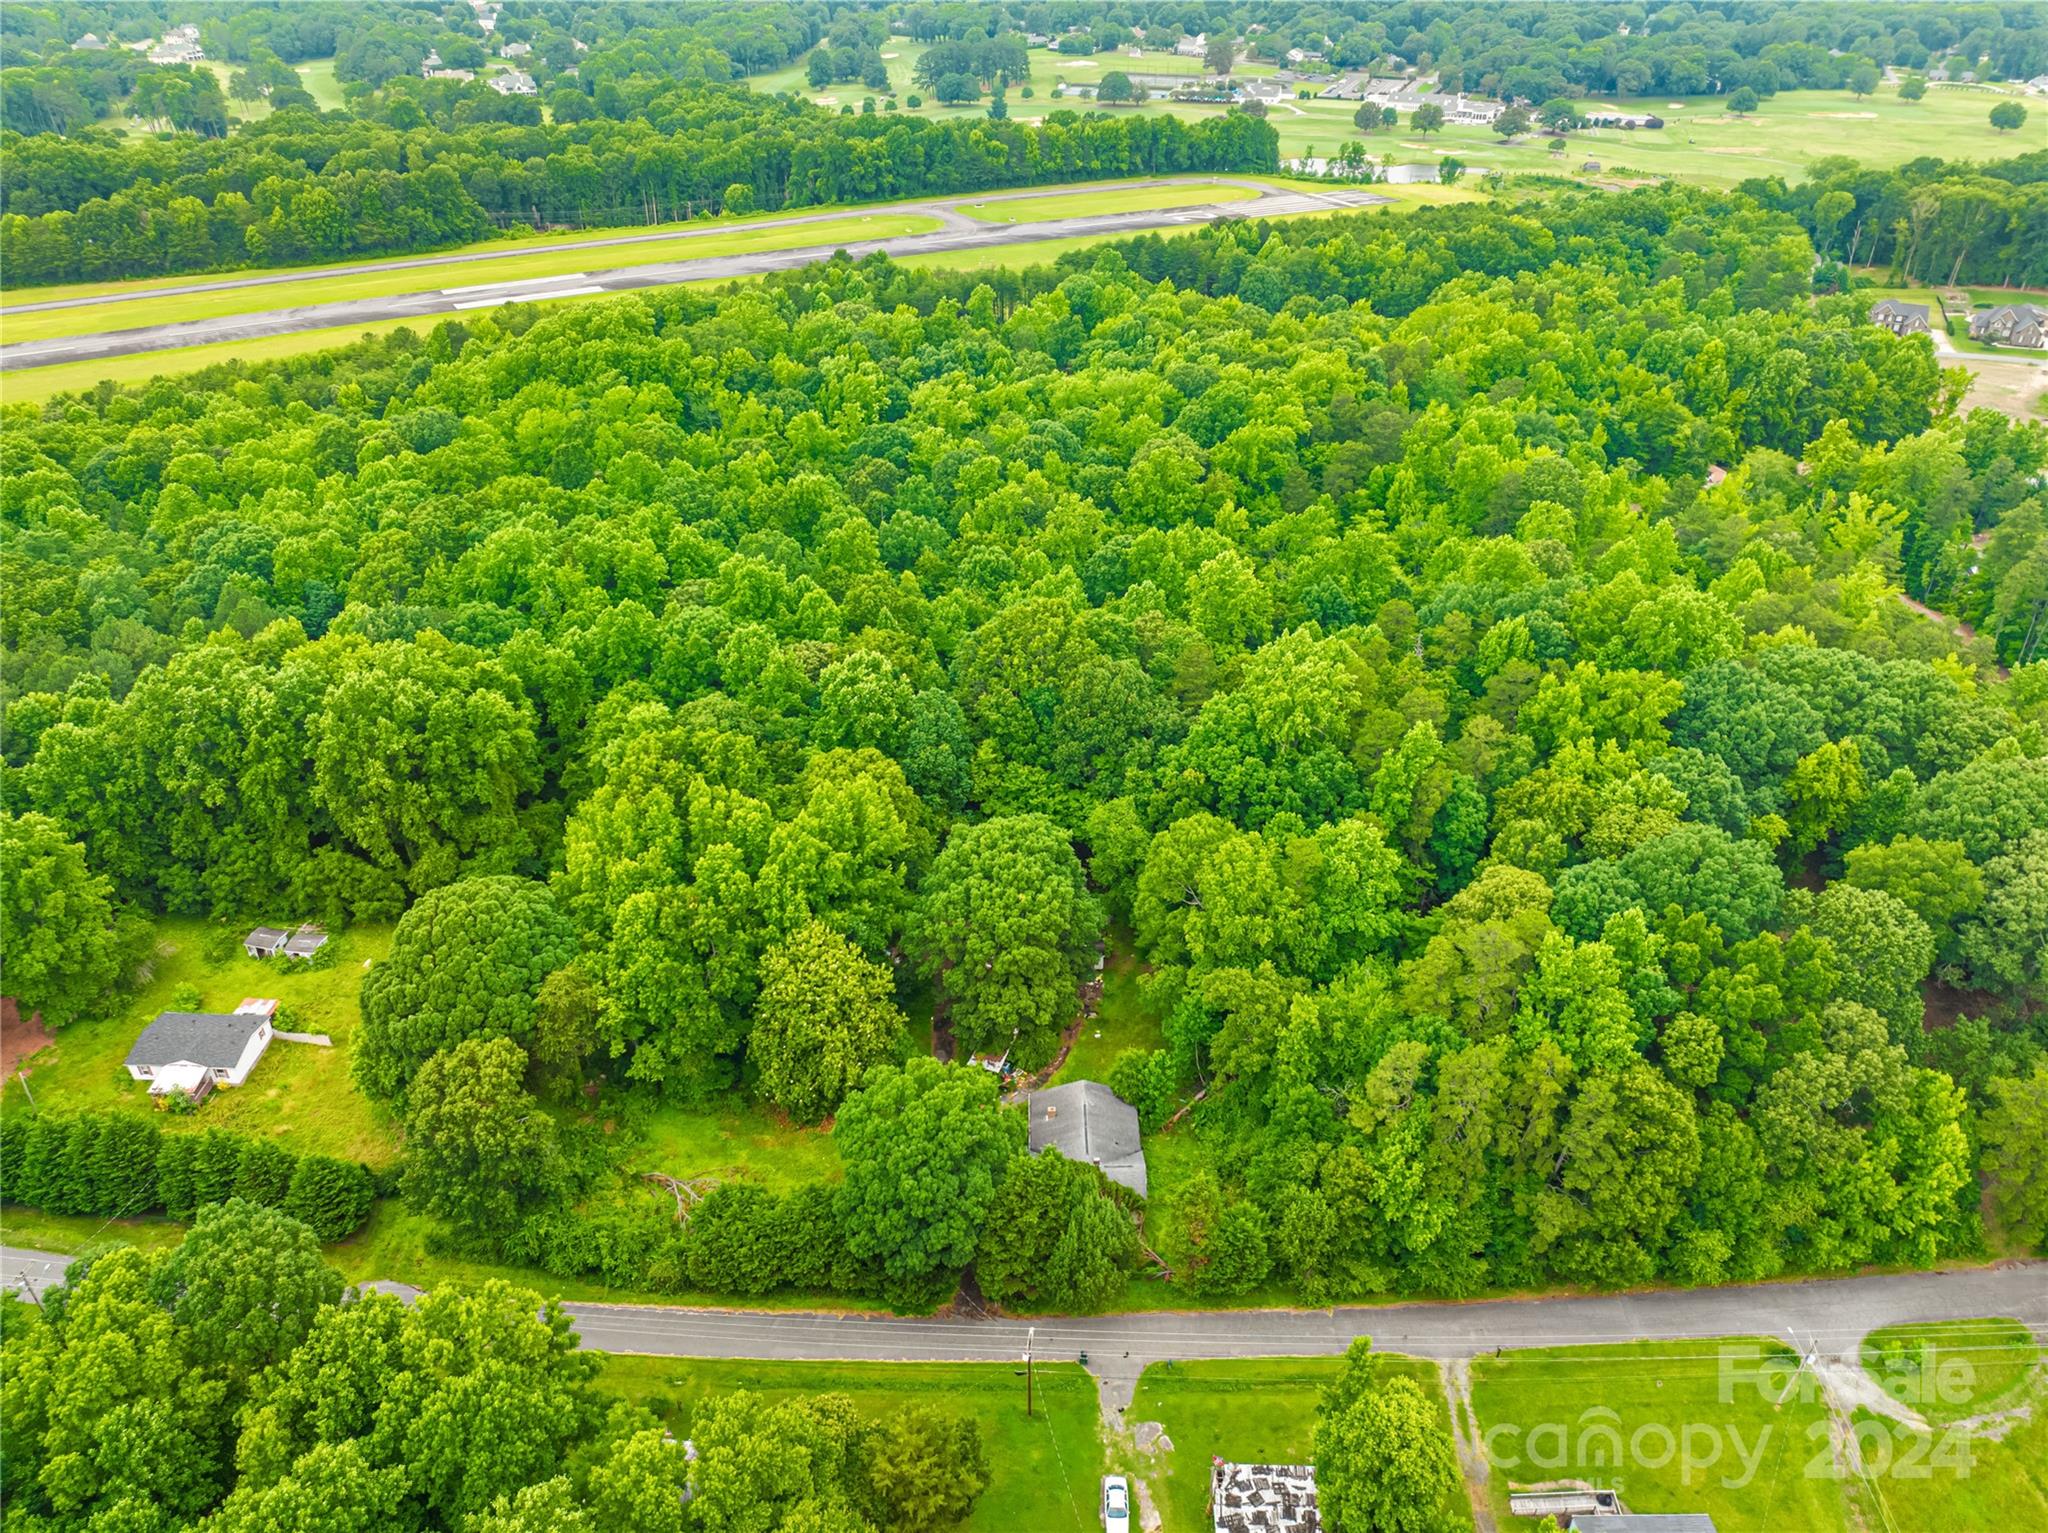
{"x": 735, "y": 1139}
{"x": 1956, "y": 1478}
{"x": 298, "y": 1094}
{"x": 317, "y": 75}
{"x": 1954, "y": 1369}
{"x": 1257, "y": 1410}
{"x": 1044, "y": 1470}
{"x": 1673, "y": 1426}
{"x": 31, "y": 1229}
{"x": 709, "y": 240}
{"x": 1026, "y": 210}
{"x": 1121, "y": 1021}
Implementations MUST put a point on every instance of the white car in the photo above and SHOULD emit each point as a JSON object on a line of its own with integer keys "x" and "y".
{"x": 1116, "y": 1504}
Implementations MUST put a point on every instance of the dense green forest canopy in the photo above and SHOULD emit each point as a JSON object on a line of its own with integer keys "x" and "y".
{"x": 230, "y": 1386}
{"x": 293, "y": 189}
{"x": 1465, "y": 652}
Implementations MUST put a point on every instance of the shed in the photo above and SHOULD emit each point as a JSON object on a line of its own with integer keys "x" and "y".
{"x": 1085, "y": 1120}
{"x": 1639, "y": 1522}
{"x": 265, "y": 942}
{"x": 305, "y": 942}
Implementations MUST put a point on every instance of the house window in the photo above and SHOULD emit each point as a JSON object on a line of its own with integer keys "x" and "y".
{"x": 220, "y": 1075}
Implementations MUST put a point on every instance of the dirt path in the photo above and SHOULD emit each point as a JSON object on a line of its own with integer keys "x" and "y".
{"x": 1457, "y": 1379}
{"x": 19, "y": 1036}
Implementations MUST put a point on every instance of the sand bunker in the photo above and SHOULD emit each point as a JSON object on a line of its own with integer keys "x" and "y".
{"x": 1078, "y": 64}
{"x": 1847, "y": 116}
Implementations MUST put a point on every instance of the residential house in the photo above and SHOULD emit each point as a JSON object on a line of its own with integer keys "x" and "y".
{"x": 513, "y": 82}
{"x": 1899, "y": 318}
{"x": 1193, "y": 47}
{"x": 1086, "y": 1121}
{"x": 516, "y": 51}
{"x": 1263, "y": 1498}
{"x": 2011, "y": 324}
{"x": 195, "y": 1051}
{"x": 180, "y": 45}
{"x": 90, "y": 43}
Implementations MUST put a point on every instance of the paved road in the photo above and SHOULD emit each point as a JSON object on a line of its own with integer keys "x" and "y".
{"x": 1948, "y": 350}
{"x": 1831, "y": 1315}
{"x": 959, "y": 233}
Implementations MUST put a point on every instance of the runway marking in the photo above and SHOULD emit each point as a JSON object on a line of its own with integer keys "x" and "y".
{"x": 504, "y": 298}
{"x": 485, "y": 287}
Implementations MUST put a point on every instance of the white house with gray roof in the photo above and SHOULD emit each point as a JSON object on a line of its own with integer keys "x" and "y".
{"x": 1086, "y": 1121}
{"x": 195, "y": 1051}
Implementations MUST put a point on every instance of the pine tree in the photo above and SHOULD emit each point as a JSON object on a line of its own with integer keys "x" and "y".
{"x": 123, "y": 1165}
{"x": 174, "y": 1158}
{"x": 264, "y": 1174}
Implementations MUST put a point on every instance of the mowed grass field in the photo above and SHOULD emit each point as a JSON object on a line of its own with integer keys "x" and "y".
{"x": 1702, "y": 141}
{"x": 317, "y": 75}
{"x": 1246, "y": 1410}
{"x": 1729, "y": 1428}
{"x": 1982, "y": 1386}
{"x": 706, "y": 242}
{"x": 1134, "y": 199}
{"x": 1045, "y": 1470}
{"x": 299, "y": 1094}
{"x": 1953, "y": 1370}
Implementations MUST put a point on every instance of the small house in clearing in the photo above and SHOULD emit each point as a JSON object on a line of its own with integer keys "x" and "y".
{"x": 1086, "y": 1121}
{"x": 195, "y": 1051}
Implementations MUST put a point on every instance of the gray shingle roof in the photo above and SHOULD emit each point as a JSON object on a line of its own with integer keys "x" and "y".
{"x": 213, "y": 1039}
{"x": 1086, "y": 1121}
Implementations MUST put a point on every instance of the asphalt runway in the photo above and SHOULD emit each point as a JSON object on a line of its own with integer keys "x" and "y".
{"x": 958, "y": 232}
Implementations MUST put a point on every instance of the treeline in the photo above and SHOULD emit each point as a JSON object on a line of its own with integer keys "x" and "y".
{"x": 1465, "y": 650}
{"x": 232, "y": 1384}
{"x": 119, "y": 1165}
{"x": 294, "y": 189}
{"x": 1928, "y": 221}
